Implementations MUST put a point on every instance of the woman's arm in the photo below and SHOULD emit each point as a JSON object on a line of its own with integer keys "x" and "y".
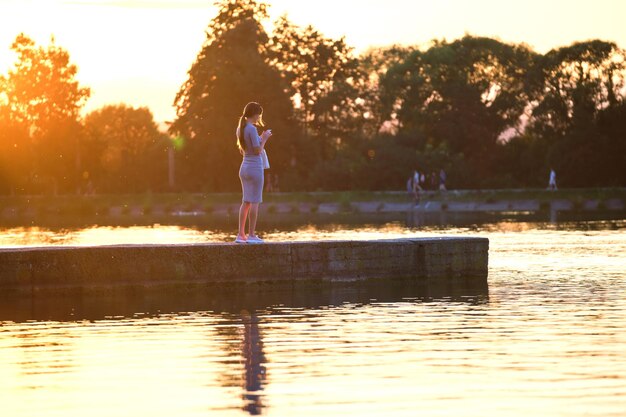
{"x": 258, "y": 142}
{"x": 255, "y": 140}
{"x": 265, "y": 137}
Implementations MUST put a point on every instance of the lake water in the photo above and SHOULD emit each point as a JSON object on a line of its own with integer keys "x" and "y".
{"x": 547, "y": 337}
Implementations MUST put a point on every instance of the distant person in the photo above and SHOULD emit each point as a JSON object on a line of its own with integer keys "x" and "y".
{"x": 442, "y": 180}
{"x": 423, "y": 181}
{"x": 416, "y": 180}
{"x": 415, "y": 189}
{"x": 552, "y": 180}
{"x": 251, "y": 145}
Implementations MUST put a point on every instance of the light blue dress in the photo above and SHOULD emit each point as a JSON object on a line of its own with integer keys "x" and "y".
{"x": 251, "y": 169}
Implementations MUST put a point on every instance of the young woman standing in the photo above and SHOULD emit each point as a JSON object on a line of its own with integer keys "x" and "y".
{"x": 251, "y": 146}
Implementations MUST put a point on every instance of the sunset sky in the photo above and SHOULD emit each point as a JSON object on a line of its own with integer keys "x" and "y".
{"x": 138, "y": 51}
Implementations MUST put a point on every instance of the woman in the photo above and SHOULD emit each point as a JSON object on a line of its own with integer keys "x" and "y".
{"x": 251, "y": 145}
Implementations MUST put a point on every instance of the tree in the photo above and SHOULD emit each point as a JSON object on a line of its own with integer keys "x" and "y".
{"x": 323, "y": 75}
{"x": 611, "y": 126}
{"x": 42, "y": 95}
{"x": 575, "y": 83}
{"x": 580, "y": 90}
{"x": 15, "y": 153}
{"x": 125, "y": 152}
{"x": 230, "y": 70}
{"x": 374, "y": 64}
{"x": 465, "y": 94}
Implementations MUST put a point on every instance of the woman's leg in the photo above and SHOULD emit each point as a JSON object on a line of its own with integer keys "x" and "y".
{"x": 243, "y": 213}
{"x": 254, "y": 212}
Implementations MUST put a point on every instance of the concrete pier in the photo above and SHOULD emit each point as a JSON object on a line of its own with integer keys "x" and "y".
{"x": 182, "y": 265}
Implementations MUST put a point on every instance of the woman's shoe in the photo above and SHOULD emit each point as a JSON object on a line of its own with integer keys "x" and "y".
{"x": 255, "y": 239}
{"x": 240, "y": 240}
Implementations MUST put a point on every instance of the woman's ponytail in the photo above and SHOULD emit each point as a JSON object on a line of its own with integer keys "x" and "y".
{"x": 240, "y": 133}
{"x": 250, "y": 110}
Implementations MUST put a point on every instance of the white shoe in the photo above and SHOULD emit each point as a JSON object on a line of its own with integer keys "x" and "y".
{"x": 240, "y": 240}
{"x": 255, "y": 239}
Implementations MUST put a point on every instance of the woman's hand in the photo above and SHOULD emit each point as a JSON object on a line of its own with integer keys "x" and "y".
{"x": 266, "y": 134}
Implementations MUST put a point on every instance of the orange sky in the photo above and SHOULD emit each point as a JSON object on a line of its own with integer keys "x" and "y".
{"x": 138, "y": 51}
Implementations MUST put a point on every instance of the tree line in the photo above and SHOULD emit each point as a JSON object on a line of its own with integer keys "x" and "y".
{"x": 46, "y": 147}
{"x": 488, "y": 112}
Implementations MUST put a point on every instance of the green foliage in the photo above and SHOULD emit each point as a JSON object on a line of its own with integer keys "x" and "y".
{"x": 322, "y": 74}
{"x": 469, "y": 93}
{"x": 230, "y": 70}
{"x": 578, "y": 123}
{"x": 463, "y": 94}
{"x": 123, "y": 149}
{"x": 41, "y": 88}
{"x": 574, "y": 83}
{"x": 40, "y": 101}
{"x": 16, "y": 154}
{"x": 491, "y": 114}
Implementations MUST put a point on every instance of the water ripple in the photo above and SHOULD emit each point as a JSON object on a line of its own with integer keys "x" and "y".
{"x": 547, "y": 338}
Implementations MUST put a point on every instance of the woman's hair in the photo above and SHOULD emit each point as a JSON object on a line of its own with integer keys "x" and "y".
{"x": 251, "y": 109}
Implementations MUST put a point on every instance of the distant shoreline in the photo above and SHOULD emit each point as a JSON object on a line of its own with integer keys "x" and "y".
{"x": 226, "y": 204}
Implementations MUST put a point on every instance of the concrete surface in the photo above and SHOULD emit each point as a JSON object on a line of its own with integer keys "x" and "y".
{"x": 103, "y": 267}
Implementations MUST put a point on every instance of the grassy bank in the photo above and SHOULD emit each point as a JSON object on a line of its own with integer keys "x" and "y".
{"x": 149, "y": 202}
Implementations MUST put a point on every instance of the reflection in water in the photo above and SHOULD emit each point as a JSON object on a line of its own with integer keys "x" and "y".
{"x": 418, "y": 218}
{"x": 230, "y": 302}
{"x": 545, "y": 338}
{"x": 190, "y": 344}
{"x": 255, "y": 372}
{"x": 105, "y": 235}
{"x": 44, "y": 351}
{"x": 358, "y": 226}
{"x": 553, "y": 215}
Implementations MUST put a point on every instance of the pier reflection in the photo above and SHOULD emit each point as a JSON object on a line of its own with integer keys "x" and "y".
{"x": 223, "y": 328}
{"x": 129, "y": 303}
{"x": 552, "y": 317}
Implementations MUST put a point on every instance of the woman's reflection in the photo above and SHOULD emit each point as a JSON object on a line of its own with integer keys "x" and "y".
{"x": 254, "y": 370}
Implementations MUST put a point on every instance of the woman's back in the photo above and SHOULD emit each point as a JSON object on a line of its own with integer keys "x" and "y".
{"x": 250, "y": 139}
